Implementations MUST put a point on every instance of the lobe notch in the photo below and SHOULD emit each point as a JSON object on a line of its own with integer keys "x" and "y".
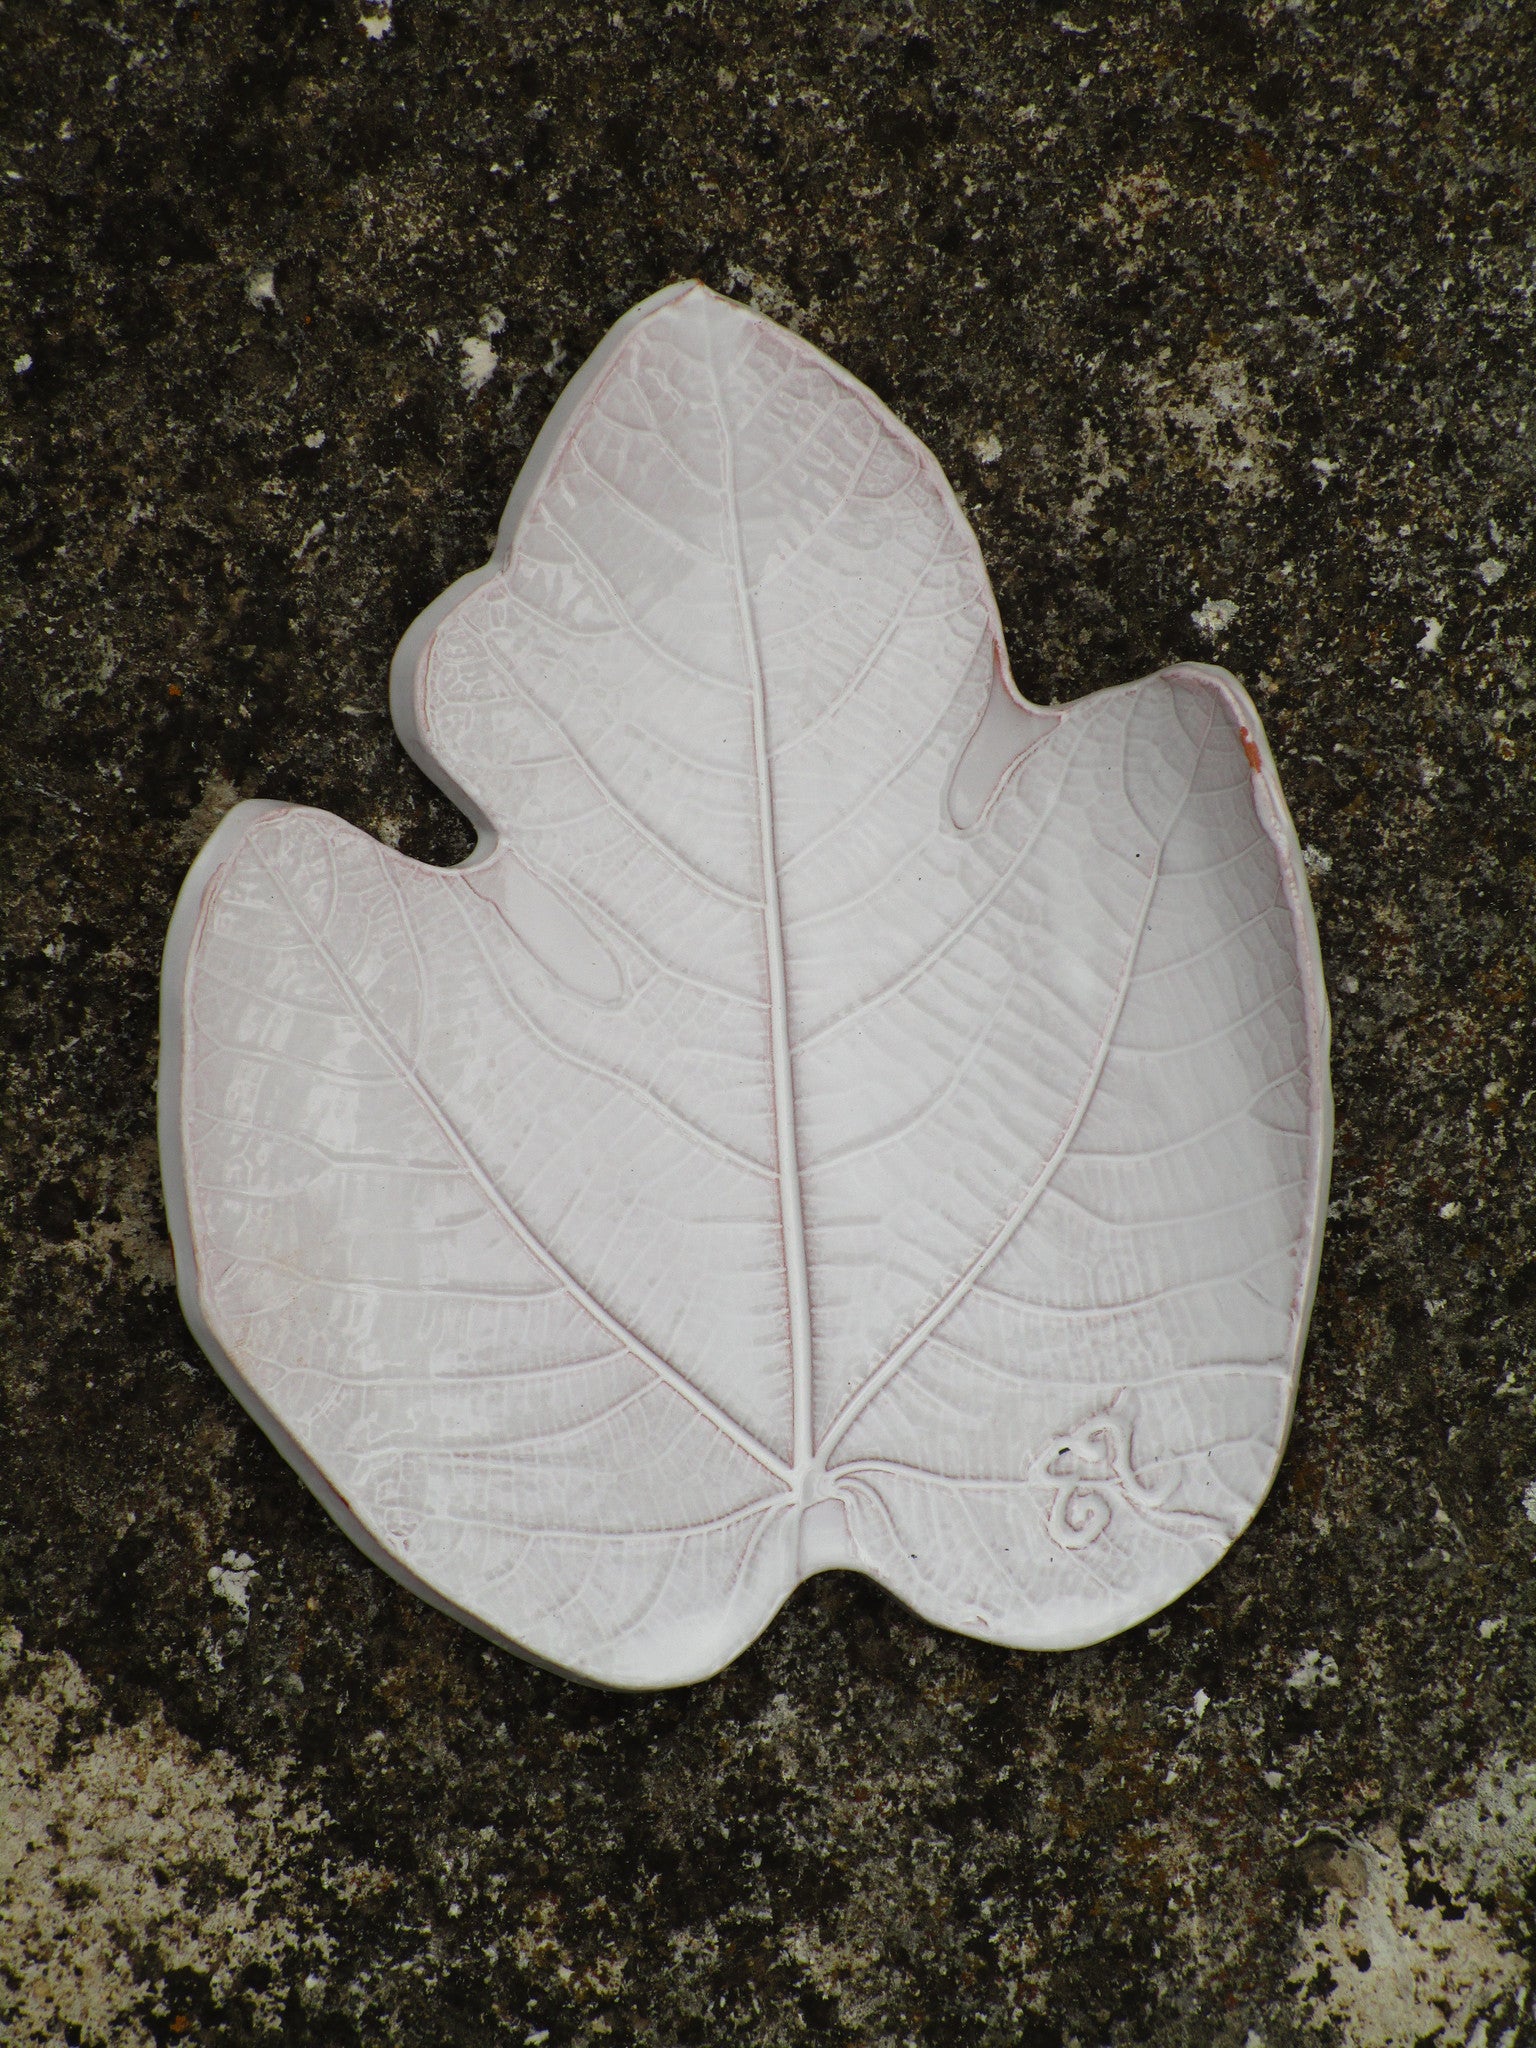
{"x": 563, "y": 943}
{"x": 1009, "y": 730}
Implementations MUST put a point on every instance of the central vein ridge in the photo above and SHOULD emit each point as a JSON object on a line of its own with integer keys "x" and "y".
{"x": 791, "y": 1215}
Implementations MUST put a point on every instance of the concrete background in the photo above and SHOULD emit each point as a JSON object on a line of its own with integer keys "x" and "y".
{"x": 1220, "y": 320}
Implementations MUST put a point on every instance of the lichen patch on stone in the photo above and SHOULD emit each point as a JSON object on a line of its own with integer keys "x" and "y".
{"x": 128, "y": 1854}
{"x": 1218, "y": 417}
{"x": 1398, "y": 1952}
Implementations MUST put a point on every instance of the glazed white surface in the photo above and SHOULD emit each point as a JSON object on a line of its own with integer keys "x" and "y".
{"x": 839, "y": 1116}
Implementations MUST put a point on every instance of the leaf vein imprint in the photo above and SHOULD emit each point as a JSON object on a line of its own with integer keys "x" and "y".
{"x": 411, "y": 1075}
{"x": 791, "y": 1214}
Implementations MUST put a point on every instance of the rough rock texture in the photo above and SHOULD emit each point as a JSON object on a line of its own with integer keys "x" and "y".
{"x": 1220, "y": 319}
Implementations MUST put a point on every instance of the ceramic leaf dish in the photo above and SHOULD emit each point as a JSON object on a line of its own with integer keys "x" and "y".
{"x": 839, "y": 1116}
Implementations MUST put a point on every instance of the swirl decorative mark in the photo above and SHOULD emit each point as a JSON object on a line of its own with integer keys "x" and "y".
{"x": 1096, "y": 1465}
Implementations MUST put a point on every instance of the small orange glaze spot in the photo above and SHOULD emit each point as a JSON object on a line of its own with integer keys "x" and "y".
{"x": 1255, "y": 762}
{"x": 180, "y": 2024}
{"x": 173, "y": 689}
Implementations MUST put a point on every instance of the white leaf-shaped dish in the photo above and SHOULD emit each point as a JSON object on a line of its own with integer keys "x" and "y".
{"x": 839, "y": 1116}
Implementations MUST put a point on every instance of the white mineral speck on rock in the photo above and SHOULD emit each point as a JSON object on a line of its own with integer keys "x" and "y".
{"x": 231, "y": 1580}
{"x": 1492, "y": 571}
{"x": 987, "y": 448}
{"x": 1313, "y": 1671}
{"x": 479, "y": 365}
{"x": 1215, "y": 616}
{"x": 1430, "y": 644}
{"x": 261, "y": 287}
{"x": 21, "y": 365}
{"x": 1529, "y": 1499}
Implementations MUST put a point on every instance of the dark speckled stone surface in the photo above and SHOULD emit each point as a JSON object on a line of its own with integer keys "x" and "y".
{"x": 1220, "y": 321}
